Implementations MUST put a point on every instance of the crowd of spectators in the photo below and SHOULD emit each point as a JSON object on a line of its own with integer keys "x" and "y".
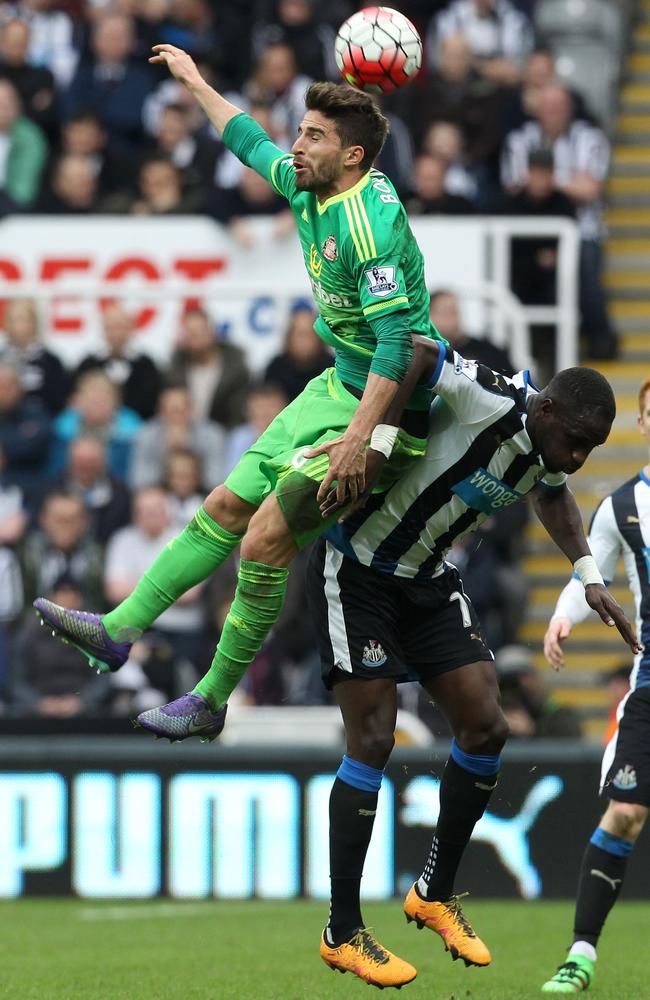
{"x": 87, "y": 125}
{"x": 100, "y": 466}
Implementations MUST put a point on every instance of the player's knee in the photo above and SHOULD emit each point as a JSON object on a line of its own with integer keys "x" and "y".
{"x": 268, "y": 540}
{"x": 228, "y": 510}
{"x": 625, "y": 819}
{"x": 373, "y": 747}
{"x": 485, "y": 734}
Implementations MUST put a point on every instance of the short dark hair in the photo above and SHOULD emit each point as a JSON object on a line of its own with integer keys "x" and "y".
{"x": 358, "y": 120}
{"x": 578, "y": 391}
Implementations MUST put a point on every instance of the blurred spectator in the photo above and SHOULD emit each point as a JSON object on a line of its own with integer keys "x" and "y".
{"x": 41, "y": 373}
{"x": 83, "y": 135}
{"x": 13, "y": 521}
{"x": 276, "y": 81}
{"x": 618, "y": 685}
{"x": 130, "y": 552}
{"x": 62, "y": 547}
{"x": 429, "y": 195}
{"x": 95, "y": 409}
{"x": 73, "y": 188}
{"x": 263, "y": 403}
{"x": 106, "y": 499}
{"x": 445, "y": 141}
{"x": 457, "y": 93}
{"x": 446, "y": 317}
{"x": 298, "y": 23}
{"x": 183, "y": 482}
{"x": 539, "y": 73}
{"x": 159, "y": 192}
{"x": 35, "y": 84}
{"x": 194, "y": 155}
{"x": 214, "y": 370}
{"x": 252, "y": 196}
{"x": 230, "y": 169}
{"x": 134, "y": 374}
{"x": 530, "y": 711}
{"x": 110, "y": 84}
{"x": 534, "y": 259}
{"x": 498, "y": 34}
{"x": 24, "y": 436}
{"x": 397, "y": 154}
{"x": 581, "y": 161}
{"x": 51, "y": 36}
{"x": 61, "y": 689}
{"x": 23, "y": 153}
{"x": 175, "y": 427}
{"x": 304, "y": 355}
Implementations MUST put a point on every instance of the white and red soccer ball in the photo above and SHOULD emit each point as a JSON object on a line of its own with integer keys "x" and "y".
{"x": 378, "y": 50}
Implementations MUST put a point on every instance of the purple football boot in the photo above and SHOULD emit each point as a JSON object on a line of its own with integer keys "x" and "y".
{"x": 189, "y": 715}
{"x": 84, "y": 630}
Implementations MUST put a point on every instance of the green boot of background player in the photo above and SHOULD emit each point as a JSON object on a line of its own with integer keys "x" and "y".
{"x": 574, "y": 976}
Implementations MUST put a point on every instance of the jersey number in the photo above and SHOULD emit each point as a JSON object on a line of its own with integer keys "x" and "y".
{"x": 464, "y": 607}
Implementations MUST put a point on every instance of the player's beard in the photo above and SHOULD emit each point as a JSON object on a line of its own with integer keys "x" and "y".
{"x": 321, "y": 179}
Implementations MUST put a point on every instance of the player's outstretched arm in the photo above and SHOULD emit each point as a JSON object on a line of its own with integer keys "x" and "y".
{"x": 558, "y": 512}
{"x": 184, "y": 69}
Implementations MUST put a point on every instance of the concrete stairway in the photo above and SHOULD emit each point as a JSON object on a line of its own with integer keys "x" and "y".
{"x": 594, "y": 649}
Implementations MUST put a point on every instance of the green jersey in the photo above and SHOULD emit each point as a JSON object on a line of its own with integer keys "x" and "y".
{"x": 362, "y": 259}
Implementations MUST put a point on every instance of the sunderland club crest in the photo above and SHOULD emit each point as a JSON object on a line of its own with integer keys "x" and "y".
{"x": 329, "y": 249}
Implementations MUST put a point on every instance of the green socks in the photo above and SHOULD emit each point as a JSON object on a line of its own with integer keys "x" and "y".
{"x": 254, "y": 611}
{"x": 187, "y": 560}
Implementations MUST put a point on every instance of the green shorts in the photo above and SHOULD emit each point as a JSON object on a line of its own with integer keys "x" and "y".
{"x": 322, "y": 411}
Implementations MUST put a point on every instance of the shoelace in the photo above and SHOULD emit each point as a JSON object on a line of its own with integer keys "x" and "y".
{"x": 570, "y": 971}
{"x": 454, "y": 905}
{"x": 365, "y": 942}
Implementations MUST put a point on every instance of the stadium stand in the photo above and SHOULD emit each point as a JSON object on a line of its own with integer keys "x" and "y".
{"x": 87, "y": 129}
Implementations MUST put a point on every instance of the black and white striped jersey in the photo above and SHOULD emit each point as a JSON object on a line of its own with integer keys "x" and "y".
{"x": 620, "y": 527}
{"x": 479, "y": 459}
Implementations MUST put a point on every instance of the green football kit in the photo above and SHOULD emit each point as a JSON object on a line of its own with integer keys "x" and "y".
{"x": 367, "y": 277}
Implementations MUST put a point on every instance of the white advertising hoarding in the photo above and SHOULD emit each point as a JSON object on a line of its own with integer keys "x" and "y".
{"x": 138, "y": 255}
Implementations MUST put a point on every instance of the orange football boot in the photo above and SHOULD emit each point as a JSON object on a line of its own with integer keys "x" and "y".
{"x": 367, "y": 959}
{"x": 448, "y": 920}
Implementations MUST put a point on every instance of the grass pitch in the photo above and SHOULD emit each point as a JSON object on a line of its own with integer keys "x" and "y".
{"x": 71, "y": 950}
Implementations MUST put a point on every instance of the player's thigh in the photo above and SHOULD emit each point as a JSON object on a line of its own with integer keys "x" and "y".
{"x": 369, "y": 710}
{"x": 469, "y": 697}
{"x": 355, "y": 616}
{"x": 248, "y": 479}
{"x": 443, "y": 641}
{"x": 625, "y": 775}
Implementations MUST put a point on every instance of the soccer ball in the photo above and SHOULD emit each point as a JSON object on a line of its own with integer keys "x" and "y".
{"x": 378, "y": 49}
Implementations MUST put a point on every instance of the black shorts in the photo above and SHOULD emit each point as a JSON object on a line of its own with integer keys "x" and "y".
{"x": 626, "y": 762}
{"x": 373, "y": 625}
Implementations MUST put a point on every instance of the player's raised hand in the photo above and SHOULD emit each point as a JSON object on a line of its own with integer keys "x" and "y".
{"x": 557, "y": 631}
{"x": 179, "y": 63}
{"x": 599, "y": 598}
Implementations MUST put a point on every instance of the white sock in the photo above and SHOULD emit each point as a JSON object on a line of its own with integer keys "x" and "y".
{"x": 583, "y": 948}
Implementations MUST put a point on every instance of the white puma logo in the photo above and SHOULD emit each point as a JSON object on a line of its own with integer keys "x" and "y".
{"x": 508, "y": 837}
{"x": 612, "y": 881}
{"x": 367, "y": 812}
